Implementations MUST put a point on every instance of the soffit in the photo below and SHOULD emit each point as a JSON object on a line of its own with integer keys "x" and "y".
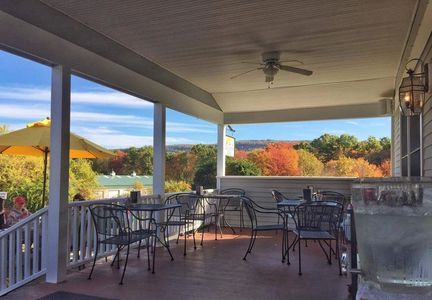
{"x": 353, "y": 47}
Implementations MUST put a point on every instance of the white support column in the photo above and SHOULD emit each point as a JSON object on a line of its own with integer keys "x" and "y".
{"x": 221, "y": 152}
{"x": 159, "y": 137}
{"x": 59, "y": 175}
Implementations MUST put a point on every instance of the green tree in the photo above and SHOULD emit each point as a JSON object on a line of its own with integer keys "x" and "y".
{"x": 326, "y": 147}
{"x": 309, "y": 165}
{"x": 181, "y": 166}
{"x": 139, "y": 160}
{"x": 204, "y": 152}
{"x": 241, "y": 167}
{"x": 346, "y": 145}
{"x": 82, "y": 178}
{"x": 206, "y": 174}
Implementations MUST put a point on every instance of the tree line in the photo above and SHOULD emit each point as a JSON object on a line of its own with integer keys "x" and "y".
{"x": 328, "y": 155}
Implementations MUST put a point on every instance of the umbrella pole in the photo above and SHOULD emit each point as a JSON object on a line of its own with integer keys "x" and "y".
{"x": 44, "y": 177}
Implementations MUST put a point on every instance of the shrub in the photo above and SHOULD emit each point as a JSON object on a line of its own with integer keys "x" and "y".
{"x": 172, "y": 186}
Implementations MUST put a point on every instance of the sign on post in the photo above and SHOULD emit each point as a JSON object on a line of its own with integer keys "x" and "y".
{"x": 229, "y": 146}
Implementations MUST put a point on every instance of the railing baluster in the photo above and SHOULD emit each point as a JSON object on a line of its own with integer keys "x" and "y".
{"x": 27, "y": 250}
{"x": 18, "y": 255}
{"x": 3, "y": 263}
{"x": 82, "y": 231}
{"x": 75, "y": 233}
{"x": 36, "y": 246}
{"x": 11, "y": 258}
{"x": 44, "y": 241}
{"x": 89, "y": 233}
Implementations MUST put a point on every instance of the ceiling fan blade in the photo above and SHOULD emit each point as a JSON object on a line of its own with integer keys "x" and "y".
{"x": 252, "y": 63}
{"x": 238, "y": 75}
{"x": 296, "y": 70}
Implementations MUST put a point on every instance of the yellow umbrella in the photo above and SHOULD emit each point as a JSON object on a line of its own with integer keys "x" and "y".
{"x": 35, "y": 140}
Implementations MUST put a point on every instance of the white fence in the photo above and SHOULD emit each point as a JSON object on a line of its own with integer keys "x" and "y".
{"x": 259, "y": 189}
{"x": 23, "y": 251}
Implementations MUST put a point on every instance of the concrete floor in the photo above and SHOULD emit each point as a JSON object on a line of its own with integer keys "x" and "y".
{"x": 215, "y": 271}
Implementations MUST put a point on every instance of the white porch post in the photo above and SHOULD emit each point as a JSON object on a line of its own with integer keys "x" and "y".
{"x": 59, "y": 175}
{"x": 221, "y": 152}
{"x": 159, "y": 137}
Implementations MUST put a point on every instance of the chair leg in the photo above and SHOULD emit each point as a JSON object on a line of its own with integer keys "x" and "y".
{"x": 287, "y": 248}
{"x": 253, "y": 242}
{"x": 241, "y": 219}
{"x": 178, "y": 235}
{"x": 203, "y": 231}
{"x": 125, "y": 265}
{"x": 186, "y": 228}
{"x": 154, "y": 253}
{"x": 94, "y": 261}
{"x": 148, "y": 253}
{"x": 283, "y": 246}
{"x": 249, "y": 247}
{"x": 139, "y": 249}
{"x": 299, "y": 256}
{"x": 115, "y": 257}
{"x": 118, "y": 257}
{"x": 193, "y": 235}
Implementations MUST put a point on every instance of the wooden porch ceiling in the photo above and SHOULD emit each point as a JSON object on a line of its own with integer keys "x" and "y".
{"x": 184, "y": 53}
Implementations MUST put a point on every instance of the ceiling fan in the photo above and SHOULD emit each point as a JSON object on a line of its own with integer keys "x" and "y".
{"x": 271, "y": 66}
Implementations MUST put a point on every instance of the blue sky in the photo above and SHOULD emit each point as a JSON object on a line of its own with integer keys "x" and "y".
{"x": 117, "y": 120}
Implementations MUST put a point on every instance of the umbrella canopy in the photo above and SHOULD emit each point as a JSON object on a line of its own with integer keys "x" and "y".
{"x": 35, "y": 140}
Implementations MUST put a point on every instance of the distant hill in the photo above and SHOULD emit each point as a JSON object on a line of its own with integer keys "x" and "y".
{"x": 246, "y": 145}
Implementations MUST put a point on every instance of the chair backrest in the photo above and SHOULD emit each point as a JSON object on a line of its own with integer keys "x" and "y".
{"x": 331, "y": 196}
{"x": 234, "y": 202}
{"x": 190, "y": 203}
{"x": 109, "y": 220}
{"x": 233, "y": 191}
{"x": 277, "y": 196}
{"x": 318, "y": 215}
{"x": 248, "y": 204}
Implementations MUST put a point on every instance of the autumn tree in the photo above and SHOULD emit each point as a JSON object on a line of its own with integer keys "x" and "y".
{"x": 326, "y": 147}
{"x": 309, "y": 165}
{"x": 277, "y": 159}
{"x": 355, "y": 167}
{"x": 180, "y": 166}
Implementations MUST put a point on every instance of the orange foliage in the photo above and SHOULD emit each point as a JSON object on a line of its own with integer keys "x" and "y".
{"x": 239, "y": 154}
{"x": 277, "y": 159}
{"x": 385, "y": 167}
{"x": 116, "y": 163}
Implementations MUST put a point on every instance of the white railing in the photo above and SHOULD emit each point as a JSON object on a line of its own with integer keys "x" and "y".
{"x": 23, "y": 247}
{"x": 82, "y": 235}
{"x": 22, "y": 251}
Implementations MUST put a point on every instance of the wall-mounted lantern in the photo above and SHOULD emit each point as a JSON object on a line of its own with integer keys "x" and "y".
{"x": 413, "y": 88}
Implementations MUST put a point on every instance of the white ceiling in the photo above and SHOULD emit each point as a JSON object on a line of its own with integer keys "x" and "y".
{"x": 354, "y": 47}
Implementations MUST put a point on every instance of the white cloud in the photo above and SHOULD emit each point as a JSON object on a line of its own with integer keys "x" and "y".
{"x": 114, "y": 139}
{"x": 97, "y": 97}
{"x": 352, "y": 122}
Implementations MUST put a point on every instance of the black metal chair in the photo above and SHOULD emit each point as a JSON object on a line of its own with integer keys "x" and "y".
{"x": 317, "y": 221}
{"x": 191, "y": 210}
{"x": 235, "y": 204}
{"x": 113, "y": 228}
{"x": 254, "y": 210}
{"x": 278, "y": 197}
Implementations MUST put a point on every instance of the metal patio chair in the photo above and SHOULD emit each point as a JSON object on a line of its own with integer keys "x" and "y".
{"x": 234, "y": 205}
{"x": 191, "y": 210}
{"x": 317, "y": 221}
{"x": 254, "y": 210}
{"x": 112, "y": 227}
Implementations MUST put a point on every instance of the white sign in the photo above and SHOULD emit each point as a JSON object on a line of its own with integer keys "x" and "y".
{"x": 229, "y": 145}
{"x": 3, "y": 195}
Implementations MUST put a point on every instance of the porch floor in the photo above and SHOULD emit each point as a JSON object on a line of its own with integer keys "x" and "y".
{"x": 215, "y": 271}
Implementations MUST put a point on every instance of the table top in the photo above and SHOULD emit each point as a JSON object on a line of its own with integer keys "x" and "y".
{"x": 151, "y": 207}
{"x": 290, "y": 202}
{"x": 218, "y": 196}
